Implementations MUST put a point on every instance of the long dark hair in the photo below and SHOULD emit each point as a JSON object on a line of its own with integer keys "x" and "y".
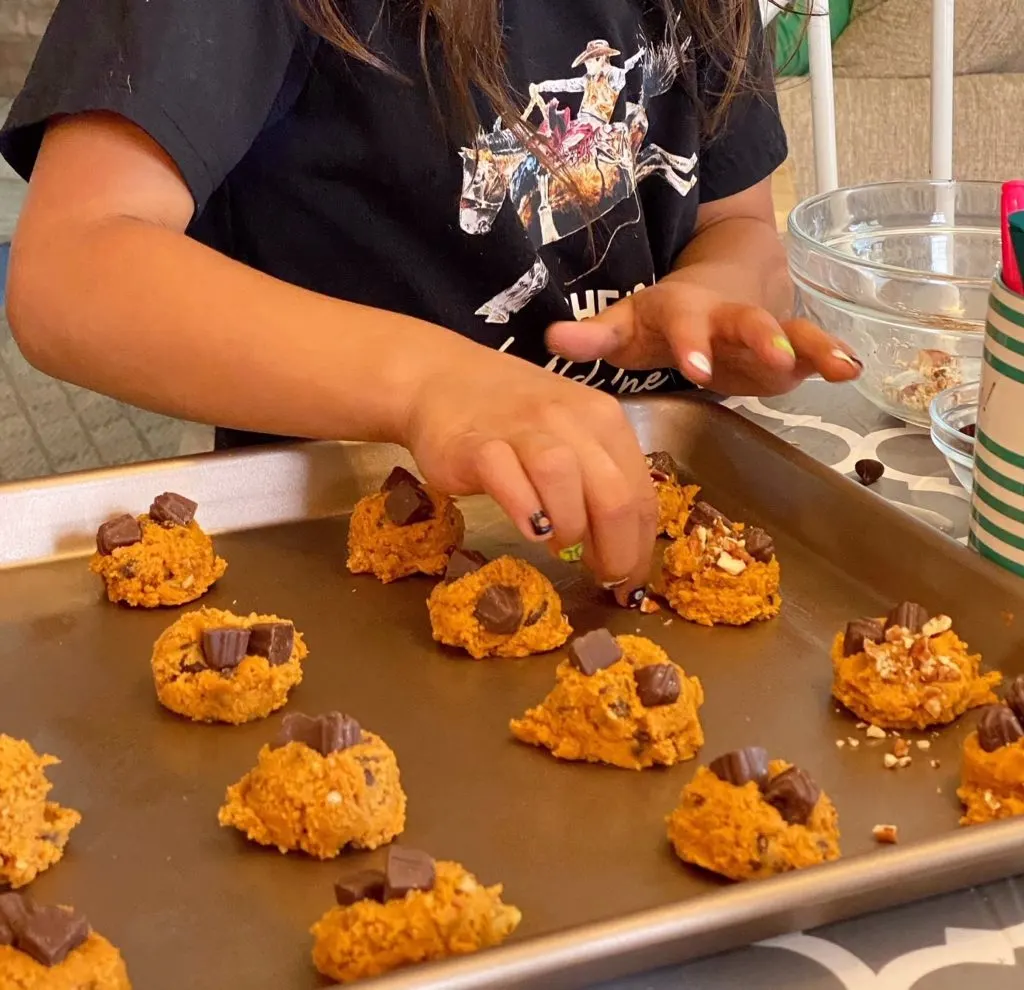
{"x": 470, "y": 37}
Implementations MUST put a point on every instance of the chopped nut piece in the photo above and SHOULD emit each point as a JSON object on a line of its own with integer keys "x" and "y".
{"x": 937, "y": 624}
{"x": 874, "y": 732}
{"x": 904, "y": 761}
{"x": 859, "y": 725}
{"x": 730, "y": 564}
{"x": 649, "y": 606}
{"x": 854, "y": 743}
{"x": 333, "y": 797}
{"x": 933, "y": 707}
{"x": 924, "y": 744}
{"x": 991, "y": 800}
{"x": 900, "y": 748}
{"x": 840, "y": 743}
{"x": 889, "y": 760}
{"x": 935, "y": 764}
{"x": 887, "y": 834}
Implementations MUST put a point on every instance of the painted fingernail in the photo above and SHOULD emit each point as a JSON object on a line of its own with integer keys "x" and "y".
{"x": 632, "y": 599}
{"x": 572, "y": 555}
{"x": 781, "y": 343}
{"x": 541, "y": 524}
{"x": 850, "y": 359}
{"x": 611, "y": 585}
{"x": 700, "y": 363}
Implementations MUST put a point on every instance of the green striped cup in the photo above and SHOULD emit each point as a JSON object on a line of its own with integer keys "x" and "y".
{"x": 997, "y": 501}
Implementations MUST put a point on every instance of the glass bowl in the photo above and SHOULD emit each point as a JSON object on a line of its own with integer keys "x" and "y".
{"x": 901, "y": 272}
{"x": 952, "y": 412}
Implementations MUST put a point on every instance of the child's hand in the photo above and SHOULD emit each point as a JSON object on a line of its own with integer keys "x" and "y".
{"x": 731, "y": 348}
{"x": 560, "y": 458}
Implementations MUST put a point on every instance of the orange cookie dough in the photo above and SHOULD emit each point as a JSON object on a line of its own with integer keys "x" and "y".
{"x": 33, "y": 831}
{"x": 325, "y": 784}
{"x": 413, "y": 911}
{"x": 505, "y": 608}
{"x": 53, "y": 948}
{"x": 674, "y": 498}
{"x": 213, "y": 666}
{"x": 406, "y": 528}
{"x": 620, "y": 701}
{"x": 992, "y": 778}
{"x": 748, "y": 819}
{"x": 720, "y": 572}
{"x": 908, "y": 671}
{"x": 161, "y": 558}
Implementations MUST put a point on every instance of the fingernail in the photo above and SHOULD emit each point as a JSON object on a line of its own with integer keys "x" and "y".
{"x": 611, "y": 585}
{"x": 700, "y": 363}
{"x": 631, "y": 599}
{"x": 541, "y": 524}
{"x": 572, "y": 554}
{"x": 850, "y": 359}
{"x": 781, "y": 343}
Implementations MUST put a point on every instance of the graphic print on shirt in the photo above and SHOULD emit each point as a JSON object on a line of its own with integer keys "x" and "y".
{"x": 602, "y": 161}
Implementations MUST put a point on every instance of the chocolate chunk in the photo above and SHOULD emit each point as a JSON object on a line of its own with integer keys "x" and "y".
{"x": 124, "y": 531}
{"x": 399, "y": 476}
{"x": 759, "y": 544}
{"x": 594, "y": 651}
{"x": 970, "y": 430}
{"x": 49, "y": 934}
{"x": 463, "y": 562}
{"x": 407, "y": 504}
{"x": 657, "y": 684}
{"x": 6, "y": 934}
{"x": 369, "y": 777}
{"x": 172, "y": 510}
{"x": 273, "y": 640}
{"x": 406, "y": 870}
{"x": 662, "y": 466}
{"x": 225, "y": 648}
{"x": 908, "y": 615}
{"x": 1015, "y": 696}
{"x": 742, "y": 766}
{"x": 793, "y": 794}
{"x": 366, "y": 885}
{"x": 869, "y": 470}
{"x": 14, "y": 909}
{"x": 324, "y": 733}
{"x": 500, "y": 610}
{"x": 861, "y": 631}
{"x": 704, "y": 515}
{"x": 998, "y": 727}
{"x": 536, "y": 615}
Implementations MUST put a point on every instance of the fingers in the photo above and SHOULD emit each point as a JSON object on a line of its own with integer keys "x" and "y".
{"x": 555, "y": 473}
{"x": 821, "y": 352}
{"x": 503, "y": 477}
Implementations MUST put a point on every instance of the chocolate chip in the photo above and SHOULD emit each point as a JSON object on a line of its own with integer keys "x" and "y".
{"x": 742, "y": 766}
{"x": 273, "y": 640}
{"x": 325, "y": 734}
{"x": 124, "y": 531}
{"x": 869, "y": 470}
{"x": 536, "y": 615}
{"x": 192, "y": 667}
{"x": 970, "y": 430}
{"x": 49, "y": 934}
{"x": 369, "y": 777}
{"x": 998, "y": 727}
{"x": 399, "y": 476}
{"x": 339, "y": 732}
{"x": 657, "y": 684}
{"x": 662, "y": 466}
{"x": 862, "y": 631}
{"x": 1015, "y": 696}
{"x": 594, "y": 651}
{"x": 759, "y": 545}
{"x": 908, "y": 615}
{"x": 500, "y": 610}
{"x": 172, "y": 510}
{"x": 407, "y": 504}
{"x": 225, "y": 648}
{"x": 793, "y": 794}
{"x": 366, "y": 885}
{"x": 463, "y": 562}
{"x": 407, "y": 870}
{"x": 704, "y": 515}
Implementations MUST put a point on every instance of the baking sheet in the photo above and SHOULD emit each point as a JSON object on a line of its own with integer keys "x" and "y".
{"x": 580, "y": 849}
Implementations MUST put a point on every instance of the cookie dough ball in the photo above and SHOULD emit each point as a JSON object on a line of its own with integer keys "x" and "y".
{"x": 720, "y": 572}
{"x": 675, "y": 499}
{"x": 505, "y": 608}
{"x": 33, "y": 831}
{"x": 412, "y": 911}
{"x": 620, "y": 701}
{"x": 213, "y": 666}
{"x": 992, "y": 781}
{"x": 53, "y": 948}
{"x": 323, "y": 785}
{"x": 406, "y": 528}
{"x": 161, "y": 558}
{"x": 908, "y": 671}
{"x": 748, "y": 819}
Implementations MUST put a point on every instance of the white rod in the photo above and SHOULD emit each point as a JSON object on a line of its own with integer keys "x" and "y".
{"x": 942, "y": 90}
{"x": 823, "y": 99}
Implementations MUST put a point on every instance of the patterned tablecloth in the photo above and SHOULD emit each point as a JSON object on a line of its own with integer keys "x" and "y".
{"x": 946, "y": 943}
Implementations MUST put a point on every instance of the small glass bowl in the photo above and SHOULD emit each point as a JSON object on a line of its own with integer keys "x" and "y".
{"x": 951, "y": 411}
{"x": 901, "y": 271}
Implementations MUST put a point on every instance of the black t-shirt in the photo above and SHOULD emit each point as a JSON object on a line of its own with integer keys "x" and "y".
{"x": 337, "y": 177}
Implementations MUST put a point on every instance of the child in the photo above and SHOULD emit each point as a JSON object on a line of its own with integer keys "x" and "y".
{"x": 383, "y": 220}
